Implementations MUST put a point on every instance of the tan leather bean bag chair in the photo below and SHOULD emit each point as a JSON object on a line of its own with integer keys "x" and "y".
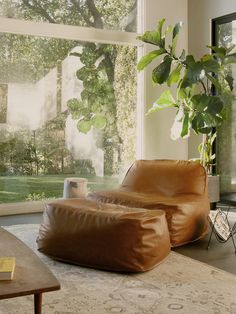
{"x": 104, "y": 236}
{"x": 178, "y": 187}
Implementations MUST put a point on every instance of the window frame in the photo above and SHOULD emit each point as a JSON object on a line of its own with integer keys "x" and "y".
{"x": 45, "y": 29}
{"x": 218, "y": 21}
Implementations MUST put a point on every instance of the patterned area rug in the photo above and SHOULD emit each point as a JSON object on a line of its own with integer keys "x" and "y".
{"x": 179, "y": 285}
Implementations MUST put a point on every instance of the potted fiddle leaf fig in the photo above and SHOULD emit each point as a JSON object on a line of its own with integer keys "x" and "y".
{"x": 204, "y": 86}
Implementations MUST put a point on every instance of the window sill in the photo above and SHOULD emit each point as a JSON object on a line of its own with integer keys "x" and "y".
{"x": 21, "y": 208}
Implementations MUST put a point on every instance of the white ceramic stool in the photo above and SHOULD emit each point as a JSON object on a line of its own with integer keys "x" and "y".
{"x": 75, "y": 187}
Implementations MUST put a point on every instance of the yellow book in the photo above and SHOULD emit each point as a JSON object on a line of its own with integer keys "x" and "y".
{"x": 7, "y": 266}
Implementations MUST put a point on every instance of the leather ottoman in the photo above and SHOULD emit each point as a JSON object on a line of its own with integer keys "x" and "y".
{"x": 105, "y": 236}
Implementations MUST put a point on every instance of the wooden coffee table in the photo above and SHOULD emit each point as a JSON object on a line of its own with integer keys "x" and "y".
{"x": 31, "y": 276}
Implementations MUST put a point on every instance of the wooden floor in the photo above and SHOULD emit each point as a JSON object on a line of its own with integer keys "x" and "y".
{"x": 220, "y": 255}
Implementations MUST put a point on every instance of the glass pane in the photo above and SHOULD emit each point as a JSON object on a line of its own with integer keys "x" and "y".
{"x": 112, "y": 14}
{"x": 226, "y": 136}
{"x": 67, "y": 109}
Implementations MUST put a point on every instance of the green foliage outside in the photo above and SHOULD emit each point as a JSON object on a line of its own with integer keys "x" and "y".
{"x": 96, "y": 107}
{"x": 90, "y": 13}
{"x": 125, "y": 92}
{"x": 225, "y": 149}
{"x": 36, "y": 152}
{"x": 107, "y": 102}
{"x": 25, "y": 188}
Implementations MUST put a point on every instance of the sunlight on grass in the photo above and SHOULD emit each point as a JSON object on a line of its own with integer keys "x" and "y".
{"x": 22, "y": 188}
{"x": 8, "y": 192}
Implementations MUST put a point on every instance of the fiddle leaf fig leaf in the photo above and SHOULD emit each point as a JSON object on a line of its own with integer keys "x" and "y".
{"x": 194, "y": 73}
{"x": 198, "y": 123}
{"x": 190, "y": 60}
{"x": 159, "y": 33}
{"x": 151, "y": 37}
{"x": 205, "y": 130}
{"x": 231, "y": 58}
{"x": 166, "y": 100}
{"x": 186, "y": 82}
{"x": 211, "y": 65}
{"x": 208, "y": 104}
{"x": 215, "y": 105}
{"x": 154, "y": 37}
{"x": 184, "y": 93}
{"x": 186, "y": 125}
{"x": 206, "y": 57}
{"x": 176, "y": 31}
{"x": 182, "y": 56}
{"x": 200, "y": 102}
{"x": 161, "y": 73}
{"x": 220, "y": 52}
{"x": 145, "y": 60}
{"x": 169, "y": 29}
{"x": 210, "y": 120}
{"x": 174, "y": 75}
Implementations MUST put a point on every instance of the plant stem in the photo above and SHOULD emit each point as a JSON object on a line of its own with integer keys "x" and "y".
{"x": 204, "y": 87}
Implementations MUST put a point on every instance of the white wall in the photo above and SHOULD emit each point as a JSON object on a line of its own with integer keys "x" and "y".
{"x": 71, "y": 86}
{"x": 200, "y": 14}
{"x": 47, "y": 94}
{"x": 23, "y": 106}
{"x": 31, "y": 105}
{"x": 156, "y": 134}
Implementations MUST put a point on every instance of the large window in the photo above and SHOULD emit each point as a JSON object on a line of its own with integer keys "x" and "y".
{"x": 224, "y": 34}
{"x": 67, "y": 107}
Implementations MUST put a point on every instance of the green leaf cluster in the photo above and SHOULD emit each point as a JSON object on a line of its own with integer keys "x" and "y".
{"x": 204, "y": 87}
{"x": 96, "y": 105}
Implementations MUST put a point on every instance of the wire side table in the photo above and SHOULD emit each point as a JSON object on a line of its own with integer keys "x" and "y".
{"x": 219, "y": 237}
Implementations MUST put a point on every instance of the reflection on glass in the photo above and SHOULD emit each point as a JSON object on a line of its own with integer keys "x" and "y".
{"x": 112, "y": 14}
{"x": 226, "y": 136}
{"x": 70, "y": 110}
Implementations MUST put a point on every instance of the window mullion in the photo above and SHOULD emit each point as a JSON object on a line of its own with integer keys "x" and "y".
{"x": 69, "y": 32}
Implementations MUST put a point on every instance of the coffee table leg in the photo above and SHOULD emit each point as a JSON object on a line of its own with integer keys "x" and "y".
{"x": 38, "y": 303}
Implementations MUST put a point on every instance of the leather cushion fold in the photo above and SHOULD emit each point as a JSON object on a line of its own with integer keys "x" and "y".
{"x": 186, "y": 214}
{"x": 104, "y": 236}
{"x": 165, "y": 177}
{"x": 178, "y": 187}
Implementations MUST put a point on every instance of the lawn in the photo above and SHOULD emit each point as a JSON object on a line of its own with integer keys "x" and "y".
{"x": 22, "y": 188}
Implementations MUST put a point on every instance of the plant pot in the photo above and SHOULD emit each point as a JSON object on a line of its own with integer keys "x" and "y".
{"x": 214, "y": 188}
